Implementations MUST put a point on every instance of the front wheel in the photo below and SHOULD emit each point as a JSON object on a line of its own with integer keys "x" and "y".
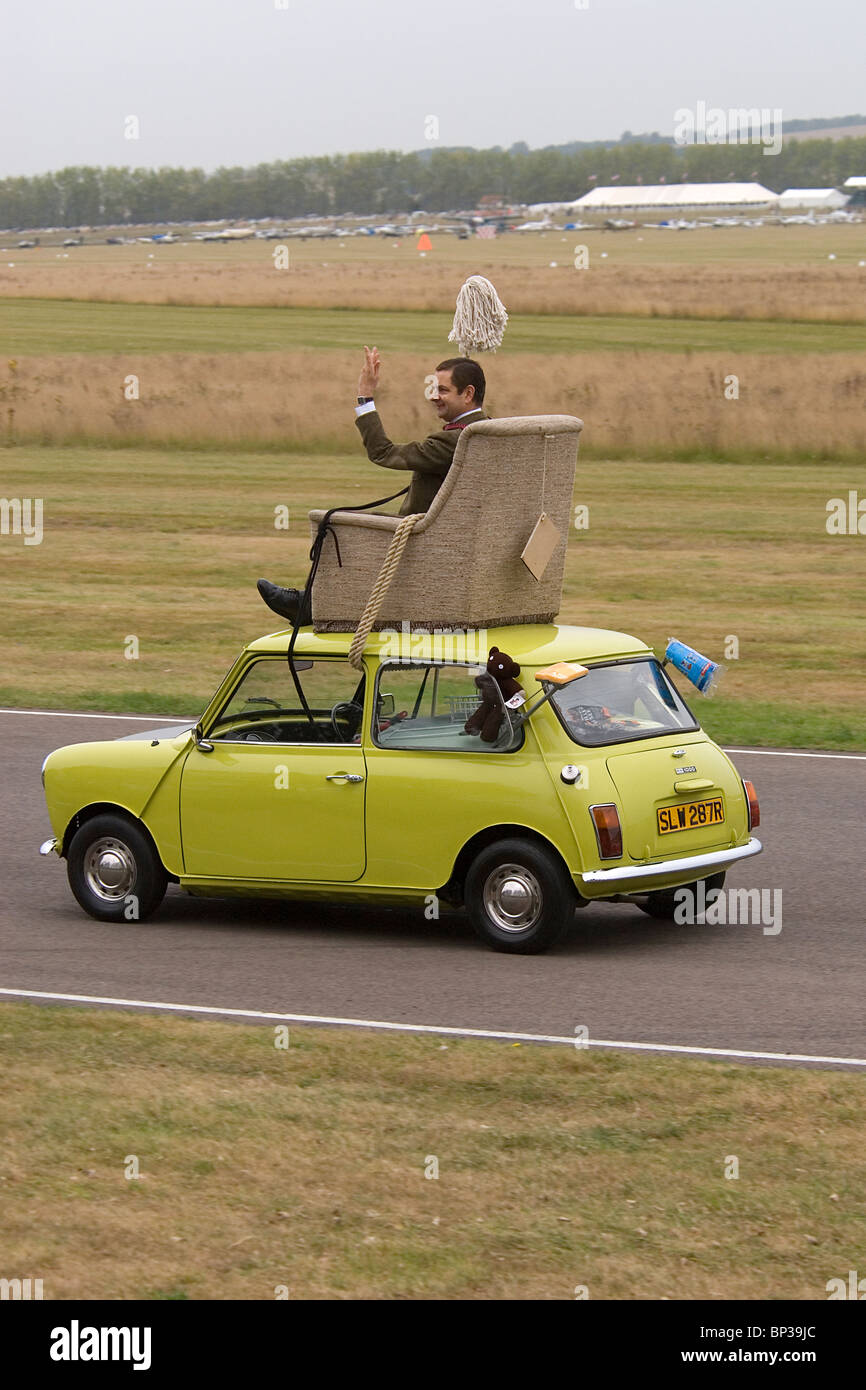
{"x": 519, "y": 896}
{"x": 114, "y": 871}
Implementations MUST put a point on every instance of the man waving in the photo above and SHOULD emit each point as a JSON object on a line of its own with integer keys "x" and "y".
{"x": 457, "y": 401}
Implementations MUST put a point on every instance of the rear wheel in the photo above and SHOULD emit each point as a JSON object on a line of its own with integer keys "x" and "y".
{"x": 114, "y": 871}
{"x": 519, "y": 896}
{"x": 667, "y": 901}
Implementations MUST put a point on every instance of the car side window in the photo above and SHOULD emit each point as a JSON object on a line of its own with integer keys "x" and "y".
{"x": 265, "y": 706}
{"x": 427, "y": 706}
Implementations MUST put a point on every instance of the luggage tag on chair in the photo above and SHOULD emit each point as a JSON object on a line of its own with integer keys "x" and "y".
{"x": 540, "y": 546}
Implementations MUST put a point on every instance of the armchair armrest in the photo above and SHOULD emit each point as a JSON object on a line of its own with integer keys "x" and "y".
{"x": 371, "y": 521}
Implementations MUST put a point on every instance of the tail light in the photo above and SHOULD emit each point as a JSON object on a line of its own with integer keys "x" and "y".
{"x": 608, "y": 830}
{"x": 754, "y": 808}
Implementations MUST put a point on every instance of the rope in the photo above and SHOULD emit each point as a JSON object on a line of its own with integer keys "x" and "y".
{"x": 381, "y": 587}
{"x": 324, "y": 528}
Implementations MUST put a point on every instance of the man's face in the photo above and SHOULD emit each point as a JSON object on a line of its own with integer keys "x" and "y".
{"x": 451, "y": 402}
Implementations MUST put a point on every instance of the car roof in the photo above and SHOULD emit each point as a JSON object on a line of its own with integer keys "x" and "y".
{"x": 527, "y": 644}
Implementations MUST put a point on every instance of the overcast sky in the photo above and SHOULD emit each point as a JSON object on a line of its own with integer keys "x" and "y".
{"x": 248, "y": 81}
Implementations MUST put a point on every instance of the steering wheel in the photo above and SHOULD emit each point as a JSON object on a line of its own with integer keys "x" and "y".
{"x": 357, "y": 714}
{"x": 264, "y": 734}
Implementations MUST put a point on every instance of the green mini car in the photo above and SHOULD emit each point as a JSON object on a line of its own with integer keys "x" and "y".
{"x": 594, "y": 782}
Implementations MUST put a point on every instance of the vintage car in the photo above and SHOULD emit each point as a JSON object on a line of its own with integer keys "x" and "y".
{"x": 318, "y": 780}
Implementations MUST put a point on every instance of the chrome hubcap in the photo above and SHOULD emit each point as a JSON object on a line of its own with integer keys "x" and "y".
{"x": 512, "y": 897}
{"x": 109, "y": 869}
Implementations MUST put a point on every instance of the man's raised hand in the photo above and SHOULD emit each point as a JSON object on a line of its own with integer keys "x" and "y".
{"x": 369, "y": 378}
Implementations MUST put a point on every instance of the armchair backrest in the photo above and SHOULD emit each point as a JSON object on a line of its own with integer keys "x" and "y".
{"x": 505, "y": 473}
{"x": 510, "y": 470}
{"x": 461, "y": 565}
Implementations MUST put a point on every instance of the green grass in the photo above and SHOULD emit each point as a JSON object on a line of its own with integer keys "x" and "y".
{"x": 160, "y": 705}
{"x": 37, "y": 327}
{"x": 304, "y": 1168}
{"x": 769, "y": 725}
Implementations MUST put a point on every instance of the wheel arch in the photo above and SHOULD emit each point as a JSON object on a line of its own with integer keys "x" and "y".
{"x": 452, "y": 891}
{"x": 109, "y": 808}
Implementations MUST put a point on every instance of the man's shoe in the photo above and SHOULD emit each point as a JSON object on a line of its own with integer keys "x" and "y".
{"x": 286, "y": 602}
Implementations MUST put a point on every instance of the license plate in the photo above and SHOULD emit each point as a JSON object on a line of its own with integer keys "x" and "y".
{"x": 691, "y": 815}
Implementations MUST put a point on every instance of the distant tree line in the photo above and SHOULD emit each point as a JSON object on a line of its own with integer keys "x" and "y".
{"x": 388, "y": 182}
{"x": 825, "y": 123}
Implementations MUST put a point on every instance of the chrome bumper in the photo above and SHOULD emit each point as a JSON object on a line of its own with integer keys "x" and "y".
{"x": 49, "y": 846}
{"x": 718, "y": 859}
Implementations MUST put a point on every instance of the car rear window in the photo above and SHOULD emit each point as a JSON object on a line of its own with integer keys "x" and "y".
{"x": 621, "y": 701}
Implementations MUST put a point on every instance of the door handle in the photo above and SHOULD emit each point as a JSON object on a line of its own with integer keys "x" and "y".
{"x": 344, "y": 777}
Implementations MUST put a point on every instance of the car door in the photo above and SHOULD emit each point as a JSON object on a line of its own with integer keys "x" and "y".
{"x": 433, "y": 785}
{"x": 271, "y": 794}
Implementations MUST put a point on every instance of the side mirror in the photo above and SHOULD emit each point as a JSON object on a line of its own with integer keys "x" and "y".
{"x": 386, "y": 706}
{"x": 200, "y": 741}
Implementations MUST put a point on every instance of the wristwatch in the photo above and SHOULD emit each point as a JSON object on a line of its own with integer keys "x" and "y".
{"x": 364, "y": 400}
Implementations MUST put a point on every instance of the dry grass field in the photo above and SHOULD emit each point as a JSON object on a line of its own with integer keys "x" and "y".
{"x": 160, "y": 508}
{"x": 657, "y": 403}
{"x": 640, "y": 345}
{"x": 300, "y": 1172}
{"x": 766, "y": 272}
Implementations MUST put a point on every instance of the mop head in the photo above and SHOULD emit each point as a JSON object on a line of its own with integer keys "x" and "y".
{"x": 480, "y": 320}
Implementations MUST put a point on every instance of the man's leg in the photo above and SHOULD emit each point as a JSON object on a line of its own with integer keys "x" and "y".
{"x": 286, "y": 602}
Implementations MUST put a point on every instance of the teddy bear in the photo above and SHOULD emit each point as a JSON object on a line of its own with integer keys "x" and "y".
{"x": 487, "y": 719}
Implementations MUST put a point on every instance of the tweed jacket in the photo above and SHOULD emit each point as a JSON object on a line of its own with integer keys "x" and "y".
{"x": 428, "y": 461}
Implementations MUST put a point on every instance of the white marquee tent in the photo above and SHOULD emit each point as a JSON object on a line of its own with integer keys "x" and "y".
{"x": 665, "y": 196}
{"x": 812, "y": 198}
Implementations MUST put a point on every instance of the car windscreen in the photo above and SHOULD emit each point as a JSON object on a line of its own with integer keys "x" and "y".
{"x": 620, "y": 701}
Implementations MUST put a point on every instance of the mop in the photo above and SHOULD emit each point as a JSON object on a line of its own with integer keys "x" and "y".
{"x": 480, "y": 319}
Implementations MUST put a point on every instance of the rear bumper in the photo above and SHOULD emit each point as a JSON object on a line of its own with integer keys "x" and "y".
{"x": 715, "y": 861}
{"x": 49, "y": 846}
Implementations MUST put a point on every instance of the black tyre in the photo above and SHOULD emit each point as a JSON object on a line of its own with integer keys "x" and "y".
{"x": 114, "y": 871}
{"x": 519, "y": 896}
{"x": 663, "y": 904}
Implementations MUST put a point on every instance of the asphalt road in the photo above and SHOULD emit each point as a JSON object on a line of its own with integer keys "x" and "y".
{"x": 619, "y": 973}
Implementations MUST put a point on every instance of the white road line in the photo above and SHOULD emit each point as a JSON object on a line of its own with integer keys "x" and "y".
{"x": 139, "y": 718}
{"x": 780, "y": 753}
{"x": 166, "y": 719}
{"x": 434, "y": 1028}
